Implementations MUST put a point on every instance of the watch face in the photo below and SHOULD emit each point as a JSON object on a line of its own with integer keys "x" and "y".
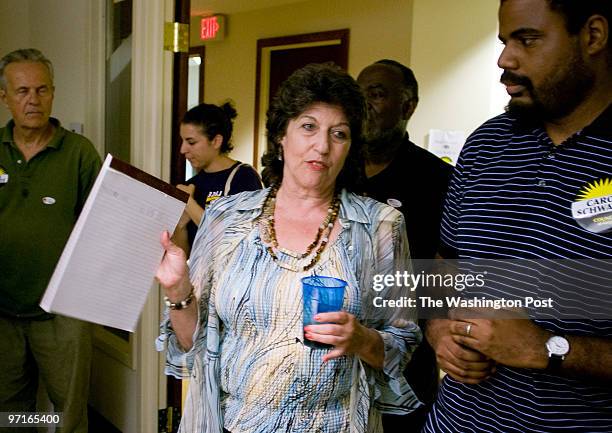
{"x": 558, "y": 345}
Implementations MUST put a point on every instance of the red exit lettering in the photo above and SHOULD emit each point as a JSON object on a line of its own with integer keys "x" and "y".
{"x": 209, "y": 27}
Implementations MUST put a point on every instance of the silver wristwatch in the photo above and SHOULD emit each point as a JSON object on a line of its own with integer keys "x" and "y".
{"x": 558, "y": 347}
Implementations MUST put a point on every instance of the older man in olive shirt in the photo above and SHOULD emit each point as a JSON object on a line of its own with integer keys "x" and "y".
{"x": 46, "y": 173}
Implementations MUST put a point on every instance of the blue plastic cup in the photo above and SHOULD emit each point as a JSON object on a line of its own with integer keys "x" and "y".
{"x": 321, "y": 295}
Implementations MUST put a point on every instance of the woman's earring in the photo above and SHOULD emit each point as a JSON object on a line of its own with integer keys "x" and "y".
{"x": 280, "y": 154}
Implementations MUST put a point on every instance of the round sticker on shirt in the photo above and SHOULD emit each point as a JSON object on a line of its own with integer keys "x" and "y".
{"x": 593, "y": 206}
{"x": 48, "y": 200}
{"x": 394, "y": 202}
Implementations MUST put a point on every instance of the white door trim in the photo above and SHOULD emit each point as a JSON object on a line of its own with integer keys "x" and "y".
{"x": 150, "y": 147}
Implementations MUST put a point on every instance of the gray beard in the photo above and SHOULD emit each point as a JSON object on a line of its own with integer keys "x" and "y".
{"x": 382, "y": 146}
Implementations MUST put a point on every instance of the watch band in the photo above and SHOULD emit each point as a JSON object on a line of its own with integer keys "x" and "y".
{"x": 554, "y": 362}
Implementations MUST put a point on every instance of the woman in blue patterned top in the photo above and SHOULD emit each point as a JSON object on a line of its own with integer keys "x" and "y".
{"x": 234, "y": 315}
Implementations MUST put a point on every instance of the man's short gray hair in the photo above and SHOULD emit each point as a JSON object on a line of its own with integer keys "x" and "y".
{"x": 23, "y": 55}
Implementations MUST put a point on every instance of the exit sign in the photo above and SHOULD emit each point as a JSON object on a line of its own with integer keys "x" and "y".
{"x": 212, "y": 28}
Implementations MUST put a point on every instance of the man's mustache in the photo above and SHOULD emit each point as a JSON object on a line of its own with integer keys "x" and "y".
{"x": 511, "y": 78}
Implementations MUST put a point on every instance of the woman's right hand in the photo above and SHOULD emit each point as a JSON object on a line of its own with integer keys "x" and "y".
{"x": 172, "y": 272}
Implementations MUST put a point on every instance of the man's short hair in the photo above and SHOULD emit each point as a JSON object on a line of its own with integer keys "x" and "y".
{"x": 409, "y": 81}
{"x": 577, "y": 12}
{"x": 23, "y": 55}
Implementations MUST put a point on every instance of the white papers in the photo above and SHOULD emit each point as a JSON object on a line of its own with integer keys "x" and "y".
{"x": 446, "y": 144}
{"x": 109, "y": 262}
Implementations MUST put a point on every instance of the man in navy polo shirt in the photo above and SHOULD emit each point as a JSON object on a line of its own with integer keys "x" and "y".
{"x": 534, "y": 183}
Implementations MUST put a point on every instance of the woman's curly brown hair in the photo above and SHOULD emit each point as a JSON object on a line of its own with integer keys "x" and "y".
{"x": 314, "y": 83}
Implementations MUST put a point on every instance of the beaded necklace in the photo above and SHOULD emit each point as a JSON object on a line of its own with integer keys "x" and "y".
{"x": 321, "y": 238}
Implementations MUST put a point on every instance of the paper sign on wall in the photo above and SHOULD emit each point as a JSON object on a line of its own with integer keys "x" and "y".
{"x": 446, "y": 144}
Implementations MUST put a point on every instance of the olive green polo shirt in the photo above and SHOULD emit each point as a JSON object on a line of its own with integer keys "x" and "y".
{"x": 40, "y": 201}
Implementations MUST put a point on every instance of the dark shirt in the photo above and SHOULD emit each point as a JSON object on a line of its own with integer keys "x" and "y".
{"x": 210, "y": 186}
{"x": 418, "y": 180}
{"x": 415, "y": 183}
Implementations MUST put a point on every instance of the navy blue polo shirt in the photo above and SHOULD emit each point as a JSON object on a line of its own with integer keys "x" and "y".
{"x": 515, "y": 195}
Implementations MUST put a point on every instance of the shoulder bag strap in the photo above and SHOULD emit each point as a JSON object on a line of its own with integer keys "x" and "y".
{"x": 228, "y": 182}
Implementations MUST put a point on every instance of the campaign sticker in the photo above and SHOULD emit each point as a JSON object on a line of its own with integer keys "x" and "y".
{"x": 592, "y": 208}
{"x": 394, "y": 202}
{"x": 4, "y": 177}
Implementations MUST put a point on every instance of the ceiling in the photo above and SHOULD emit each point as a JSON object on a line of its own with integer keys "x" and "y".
{"x": 208, "y": 7}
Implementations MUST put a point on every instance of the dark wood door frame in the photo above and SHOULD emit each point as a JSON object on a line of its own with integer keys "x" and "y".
{"x": 177, "y": 161}
{"x": 302, "y": 39}
{"x": 179, "y": 96}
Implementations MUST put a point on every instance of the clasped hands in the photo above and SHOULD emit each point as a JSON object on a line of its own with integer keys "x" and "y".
{"x": 473, "y": 341}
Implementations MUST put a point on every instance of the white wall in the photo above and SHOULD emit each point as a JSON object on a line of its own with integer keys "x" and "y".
{"x": 378, "y": 28}
{"x": 58, "y": 29}
{"x": 14, "y": 34}
{"x": 454, "y": 52}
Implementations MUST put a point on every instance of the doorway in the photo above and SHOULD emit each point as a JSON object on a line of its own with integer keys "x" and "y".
{"x": 278, "y": 57}
{"x": 195, "y": 89}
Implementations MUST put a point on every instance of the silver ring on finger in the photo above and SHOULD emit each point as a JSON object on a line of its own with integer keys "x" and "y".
{"x": 468, "y": 329}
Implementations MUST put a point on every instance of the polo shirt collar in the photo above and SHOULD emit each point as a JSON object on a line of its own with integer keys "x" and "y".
{"x": 56, "y": 140}
{"x": 350, "y": 210}
{"x": 600, "y": 127}
{"x": 7, "y": 132}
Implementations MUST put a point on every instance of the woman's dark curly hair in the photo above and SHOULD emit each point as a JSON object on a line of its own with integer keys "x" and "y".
{"x": 213, "y": 120}
{"x": 314, "y": 83}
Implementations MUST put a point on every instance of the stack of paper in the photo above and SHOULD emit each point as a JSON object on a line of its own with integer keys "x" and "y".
{"x": 109, "y": 262}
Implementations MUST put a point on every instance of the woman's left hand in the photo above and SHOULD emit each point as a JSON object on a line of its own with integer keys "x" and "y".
{"x": 343, "y": 331}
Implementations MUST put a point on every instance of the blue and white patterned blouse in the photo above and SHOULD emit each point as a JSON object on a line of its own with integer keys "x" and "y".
{"x": 249, "y": 368}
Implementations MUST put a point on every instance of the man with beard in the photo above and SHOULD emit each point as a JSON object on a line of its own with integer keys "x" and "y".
{"x": 414, "y": 181}
{"x": 399, "y": 172}
{"x": 521, "y": 190}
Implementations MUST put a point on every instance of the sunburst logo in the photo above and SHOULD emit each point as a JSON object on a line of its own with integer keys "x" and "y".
{"x": 592, "y": 209}
{"x": 599, "y": 188}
